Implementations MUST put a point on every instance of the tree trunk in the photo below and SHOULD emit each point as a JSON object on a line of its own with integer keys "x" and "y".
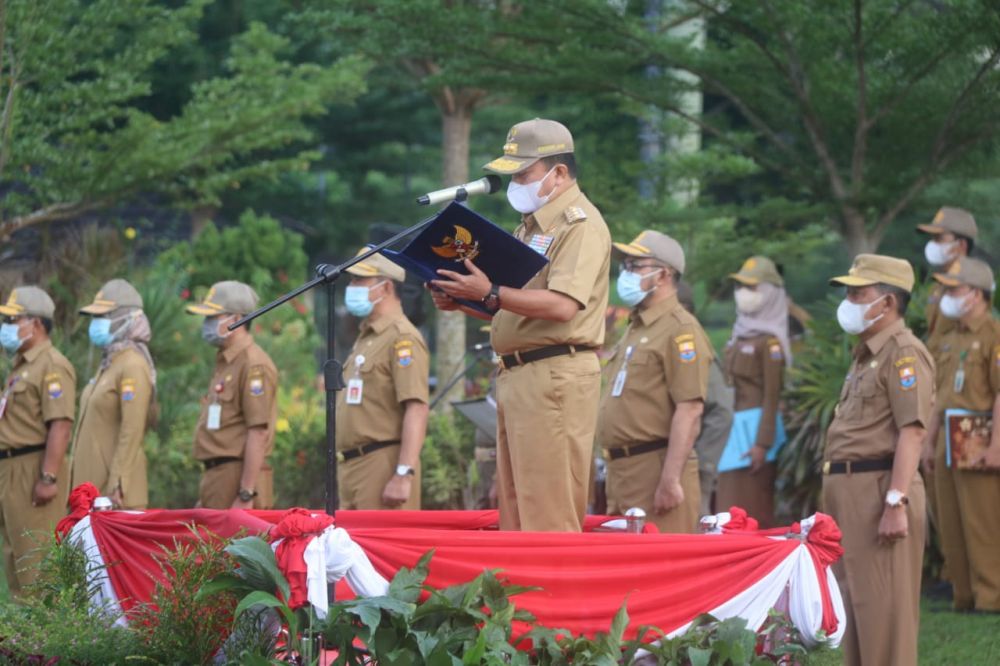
{"x": 456, "y": 126}
{"x": 856, "y": 235}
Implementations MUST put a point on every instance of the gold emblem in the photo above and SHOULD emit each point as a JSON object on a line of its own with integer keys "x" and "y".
{"x": 458, "y": 248}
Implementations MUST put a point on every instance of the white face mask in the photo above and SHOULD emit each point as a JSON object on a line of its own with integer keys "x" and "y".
{"x": 939, "y": 254}
{"x": 748, "y": 301}
{"x": 524, "y": 198}
{"x": 851, "y": 316}
{"x": 955, "y": 307}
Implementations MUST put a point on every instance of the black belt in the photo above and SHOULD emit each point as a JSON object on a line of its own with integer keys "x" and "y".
{"x": 508, "y": 361}
{"x": 23, "y": 451}
{"x": 363, "y": 450}
{"x": 856, "y": 466}
{"x": 215, "y": 462}
{"x": 635, "y": 449}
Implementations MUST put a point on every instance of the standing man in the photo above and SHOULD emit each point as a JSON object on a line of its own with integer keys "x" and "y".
{"x": 382, "y": 416}
{"x": 953, "y": 233}
{"x": 546, "y": 334}
{"x": 654, "y": 391}
{"x": 968, "y": 378}
{"x": 235, "y": 432}
{"x": 36, "y": 420}
{"x": 870, "y": 481}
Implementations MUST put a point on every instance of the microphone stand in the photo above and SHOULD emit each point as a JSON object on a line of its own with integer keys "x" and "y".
{"x": 333, "y": 377}
{"x": 460, "y": 374}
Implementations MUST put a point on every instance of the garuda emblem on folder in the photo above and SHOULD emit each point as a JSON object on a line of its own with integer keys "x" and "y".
{"x": 458, "y": 247}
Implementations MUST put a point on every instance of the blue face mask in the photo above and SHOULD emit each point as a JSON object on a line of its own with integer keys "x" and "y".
{"x": 9, "y": 338}
{"x": 630, "y": 289}
{"x": 357, "y": 300}
{"x": 100, "y": 332}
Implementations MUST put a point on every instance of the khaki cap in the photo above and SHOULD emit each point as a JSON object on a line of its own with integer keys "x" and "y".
{"x": 758, "y": 269}
{"x": 530, "y": 141}
{"x": 972, "y": 272}
{"x": 228, "y": 297}
{"x": 376, "y": 266}
{"x": 954, "y": 220}
{"x": 654, "y": 245}
{"x": 115, "y": 294}
{"x": 31, "y": 301}
{"x": 869, "y": 269}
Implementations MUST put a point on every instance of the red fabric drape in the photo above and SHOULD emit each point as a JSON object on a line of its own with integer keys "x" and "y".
{"x": 297, "y": 528}
{"x": 81, "y": 500}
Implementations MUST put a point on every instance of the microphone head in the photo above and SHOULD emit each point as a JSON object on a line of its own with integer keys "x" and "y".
{"x": 495, "y": 183}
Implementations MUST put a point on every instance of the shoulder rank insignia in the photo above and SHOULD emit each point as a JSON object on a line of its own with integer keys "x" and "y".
{"x": 907, "y": 377}
{"x": 404, "y": 356}
{"x": 459, "y": 247}
{"x": 128, "y": 390}
{"x": 774, "y": 349}
{"x": 575, "y": 214}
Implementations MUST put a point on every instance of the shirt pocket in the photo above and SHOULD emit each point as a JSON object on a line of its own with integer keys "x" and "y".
{"x": 745, "y": 365}
{"x": 645, "y": 371}
{"x": 863, "y": 401}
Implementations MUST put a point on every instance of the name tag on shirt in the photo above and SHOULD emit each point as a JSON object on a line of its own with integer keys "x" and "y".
{"x": 214, "y": 421}
{"x": 355, "y": 389}
{"x": 3, "y": 405}
{"x": 619, "y": 385}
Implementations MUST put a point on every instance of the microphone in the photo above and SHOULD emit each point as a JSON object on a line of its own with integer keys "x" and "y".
{"x": 487, "y": 185}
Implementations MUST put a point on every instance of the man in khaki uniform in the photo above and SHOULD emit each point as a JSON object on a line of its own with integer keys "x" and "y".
{"x": 654, "y": 391}
{"x": 235, "y": 432}
{"x": 36, "y": 420}
{"x": 968, "y": 378}
{"x": 115, "y": 405}
{"x": 953, "y": 233}
{"x": 548, "y": 389}
{"x": 870, "y": 481}
{"x": 382, "y": 415}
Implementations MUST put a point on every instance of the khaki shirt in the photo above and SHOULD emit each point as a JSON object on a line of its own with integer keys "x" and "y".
{"x": 755, "y": 367}
{"x": 666, "y": 356}
{"x": 41, "y": 387}
{"x": 976, "y": 349}
{"x": 392, "y": 362}
{"x": 890, "y": 385}
{"x": 245, "y": 383}
{"x": 578, "y": 246}
{"x": 114, "y": 410}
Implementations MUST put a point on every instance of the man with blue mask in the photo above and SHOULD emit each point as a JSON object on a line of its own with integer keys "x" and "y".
{"x": 118, "y": 404}
{"x": 870, "y": 480}
{"x": 654, "y": 391}
{"x": 37, "y": 408}
{"x": 235, "y": 432}
{"x": 545, "y": 334}
{"x": 382, "y": 414}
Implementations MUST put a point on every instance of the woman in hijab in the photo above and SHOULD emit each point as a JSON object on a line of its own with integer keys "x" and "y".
{"x": 119, "y": 403}
{"x": 755, "y": 359}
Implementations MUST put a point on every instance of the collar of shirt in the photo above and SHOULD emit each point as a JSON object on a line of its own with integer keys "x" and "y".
{"x": 235, "y": 349}
{"x": 546, "y": 216}
{"x": 378, "y": 325}
{"x": 877, "y": 341}
{"x": 976, "y": 323}
{"x": 647, "y": 316}
{"x": 33, "y": 353}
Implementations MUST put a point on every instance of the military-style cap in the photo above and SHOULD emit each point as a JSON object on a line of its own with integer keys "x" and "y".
{"x": 973, "y": 272}
{"x": 115, "y": 294}
{"x": 376, "y": 266}
{"x": 530, "y": 141}
{"x": 758, "y": 269}
{"x": 869, "y": 269}
{"x": 228, "y": 297}
{"x": 955, "y": 220}
{"x": 654, "y": 245}
{"x": 31, "y": 301}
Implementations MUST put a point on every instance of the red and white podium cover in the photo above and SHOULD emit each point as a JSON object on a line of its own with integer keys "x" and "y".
{"x": 667, "y": 580}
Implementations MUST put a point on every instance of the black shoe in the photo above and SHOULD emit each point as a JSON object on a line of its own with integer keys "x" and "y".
{"x": 939, "y": 590}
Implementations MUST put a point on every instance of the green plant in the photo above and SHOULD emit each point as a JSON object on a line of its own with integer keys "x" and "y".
{"x": 445, "y": 459}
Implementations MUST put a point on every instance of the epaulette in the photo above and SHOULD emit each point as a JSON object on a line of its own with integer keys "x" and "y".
{"x": 574, "y": 214}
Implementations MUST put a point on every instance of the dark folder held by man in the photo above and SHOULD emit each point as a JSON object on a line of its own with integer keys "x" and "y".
{"x": 458, "y": 233}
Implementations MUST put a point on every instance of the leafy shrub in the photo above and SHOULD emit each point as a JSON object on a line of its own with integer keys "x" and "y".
{"x": 449, "y": 450}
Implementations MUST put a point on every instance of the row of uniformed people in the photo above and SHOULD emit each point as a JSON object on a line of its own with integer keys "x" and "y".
{"x": 232, "y": 440}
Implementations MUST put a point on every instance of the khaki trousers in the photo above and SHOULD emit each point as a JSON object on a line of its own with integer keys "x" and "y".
{"x": 753, "y": 492}
{"x": 880, "y": 583}
{"x": 968, "y": 520}
{"x": 27, "y": 528}
{"x": 546, "y": 418}
{"x": 360, "y": 481}
{"x": 221, "y": 484}
{"x": 632, "y": 482}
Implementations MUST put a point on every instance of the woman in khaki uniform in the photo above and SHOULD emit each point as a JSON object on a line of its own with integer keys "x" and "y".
{"x": 755, "y": 359}
{"x": 117, "y": 405}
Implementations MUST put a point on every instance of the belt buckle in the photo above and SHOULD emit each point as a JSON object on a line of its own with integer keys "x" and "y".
{"x": 826, "y": 467}
{"x": 340, "y": 456}
{"x": 500, "y": 363}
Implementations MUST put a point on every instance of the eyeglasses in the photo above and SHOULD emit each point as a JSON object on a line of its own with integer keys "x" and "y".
{"x": 14, "y": 319}
{"x": 631, "y": 266}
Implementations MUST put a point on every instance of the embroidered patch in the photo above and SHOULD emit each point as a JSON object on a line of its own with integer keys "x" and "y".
{"x": 775, "y": 350}
{"x": 128, "y": 390}
{"x": 907, "y": 377}
{"x": 401, "y": 343}
{"x": 55, "y": 390}
{"x": 906, "y": 360}
{"x": 404, "y": 356}
{"x": 256, "y": 386}
{"x": 686, "y": 351}
{"x": 996, "y": 354}
{"x": 540, "y": 243}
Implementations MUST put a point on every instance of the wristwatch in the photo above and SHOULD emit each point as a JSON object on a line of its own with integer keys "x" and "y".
{"x": 492, "y": 299}
{"x": 404, "y": 470}
{"x": 895, "y": 498}
{"x": 48, "y": 479}
{"x": 246, "y": 495}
